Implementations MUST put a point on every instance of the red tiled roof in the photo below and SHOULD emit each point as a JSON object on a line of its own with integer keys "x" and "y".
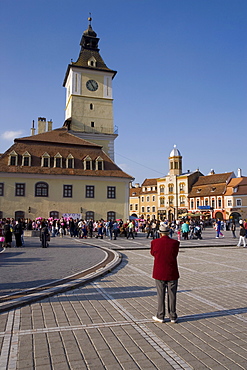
{"x": 64, "y": 143}
{"x": 149, "y": 182}
{"x": 207, "y": 190}
{"x": 60, "y": 135}
{"x": 134, "y": 192}
{"x": 213, "y": 179}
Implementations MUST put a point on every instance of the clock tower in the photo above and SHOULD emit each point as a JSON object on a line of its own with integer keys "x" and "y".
{"x": 89, "y": 102}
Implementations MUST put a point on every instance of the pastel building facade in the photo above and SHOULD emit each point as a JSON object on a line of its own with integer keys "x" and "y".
{"x": 70, "y": 170}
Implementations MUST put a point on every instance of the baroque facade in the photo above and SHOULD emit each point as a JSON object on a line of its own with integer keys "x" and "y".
{"x": 165, "y": 197}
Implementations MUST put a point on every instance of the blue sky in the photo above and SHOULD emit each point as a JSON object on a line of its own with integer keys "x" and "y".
{"x": 181, "y": 76}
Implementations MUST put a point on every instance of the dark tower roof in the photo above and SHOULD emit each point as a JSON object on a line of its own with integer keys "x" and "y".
{"x": 89, "y": 48}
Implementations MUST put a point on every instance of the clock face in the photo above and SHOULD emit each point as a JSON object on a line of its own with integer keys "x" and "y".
{"x": 92, "y": 85}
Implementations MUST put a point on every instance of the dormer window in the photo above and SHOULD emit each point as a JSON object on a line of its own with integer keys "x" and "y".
{"x": 213, "y": 188}
{"x": 92, "y": 62}
{"x": 58, "y": 160}
{"x": 45, "y": 160}
{"x": 87, "y": 163}
{"x": 13, "y": 156}
{"x": 99, "y": 164}
{"x": 70, "y": 161}
{"x": 26, "y": 159}
{"x": 198, "y": 190}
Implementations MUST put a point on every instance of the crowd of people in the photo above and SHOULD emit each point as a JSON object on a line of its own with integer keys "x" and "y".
{"x": 11, "y": 229}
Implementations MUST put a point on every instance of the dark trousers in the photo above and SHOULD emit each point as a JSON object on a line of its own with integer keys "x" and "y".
{"x": 171, "y": 288}
{"x": 130, "y": 233}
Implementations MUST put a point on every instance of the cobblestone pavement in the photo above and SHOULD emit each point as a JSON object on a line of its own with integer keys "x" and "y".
{"x": 32, "y": 266}
{"x": 107, "y": 324}
{"x": 141, "y": 242}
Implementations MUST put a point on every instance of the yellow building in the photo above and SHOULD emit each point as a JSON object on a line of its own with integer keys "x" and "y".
{"x": 174, "y": 188}
{"x": 70, "y": 170}
{"x": 165, "y": 197}
{"x": 235, "y": 198}
{"x": 143, "y": 200}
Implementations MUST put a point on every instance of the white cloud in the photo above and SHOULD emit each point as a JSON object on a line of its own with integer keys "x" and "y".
{"x": 11, "y": 135}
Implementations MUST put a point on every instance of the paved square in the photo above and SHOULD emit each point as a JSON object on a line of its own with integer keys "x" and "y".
{"x": 108, "y": 324}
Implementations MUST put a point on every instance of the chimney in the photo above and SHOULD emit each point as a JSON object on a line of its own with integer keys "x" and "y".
{"x": 137, "y": 185}
{"x": 33, "y": 130}
{"x": 49, "y": 125}
{"x": 41, "y": 125}
{"x": 212, "y": 172}
{"x": 239, "y": 172}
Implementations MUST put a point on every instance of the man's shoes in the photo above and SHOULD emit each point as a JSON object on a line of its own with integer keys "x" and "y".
{"x": 155, "y": 318}
{"x": 174, "y": 321}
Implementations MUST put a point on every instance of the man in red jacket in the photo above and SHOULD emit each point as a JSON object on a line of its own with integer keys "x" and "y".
{"x": 165, "y": 272}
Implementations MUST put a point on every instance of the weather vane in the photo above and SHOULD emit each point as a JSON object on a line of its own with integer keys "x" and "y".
{"x": 89, "y": 19}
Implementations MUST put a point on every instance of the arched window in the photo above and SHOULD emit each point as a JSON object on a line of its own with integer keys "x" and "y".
{"x": 19, "y": 214}
{"x": 170, "y": 188}
{"x": 92, "y": 62}
{"x": 162, "y": 189}
{"x": 182, "y": 201}
{"x": 54, "y": 214}
{"x": 170, "y": 199}
{"x": 41, "y": 189}
{"x": 89, "y": 215}
{"x": 111, "y": 215}
{"x": 181, "y": 187}
{"x": 91, "y": 106}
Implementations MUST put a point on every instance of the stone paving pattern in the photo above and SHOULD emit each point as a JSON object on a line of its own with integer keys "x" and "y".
{"x": 107, "y": 324}
{"x": 32, "y": 266}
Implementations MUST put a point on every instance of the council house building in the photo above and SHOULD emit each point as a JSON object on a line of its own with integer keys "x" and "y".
{"x": 70, "y": 170}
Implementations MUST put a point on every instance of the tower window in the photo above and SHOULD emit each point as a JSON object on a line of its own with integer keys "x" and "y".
{"x": 91, "y": 106}
{"x": 92, "y": 124}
